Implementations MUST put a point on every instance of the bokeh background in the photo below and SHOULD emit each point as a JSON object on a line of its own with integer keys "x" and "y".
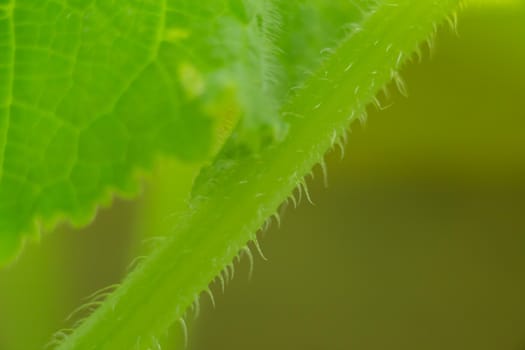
{"x": 418, "y": 242}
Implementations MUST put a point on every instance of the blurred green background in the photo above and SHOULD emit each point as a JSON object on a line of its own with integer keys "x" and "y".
{"x": 417, "y": 243}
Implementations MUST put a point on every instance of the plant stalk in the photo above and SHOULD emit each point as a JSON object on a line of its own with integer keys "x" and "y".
{"x": 239, "y": 192}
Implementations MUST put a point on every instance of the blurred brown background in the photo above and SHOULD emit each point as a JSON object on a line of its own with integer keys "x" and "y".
{"x": 417, "y": 243}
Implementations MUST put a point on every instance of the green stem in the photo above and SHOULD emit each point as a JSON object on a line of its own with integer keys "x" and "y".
{"x": 239, "y": 193}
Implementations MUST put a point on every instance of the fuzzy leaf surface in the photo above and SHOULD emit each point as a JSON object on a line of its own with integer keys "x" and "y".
{"x": 92, "y": 91}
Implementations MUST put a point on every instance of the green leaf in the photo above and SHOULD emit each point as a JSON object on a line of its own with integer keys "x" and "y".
{"x": 93, "y": 91}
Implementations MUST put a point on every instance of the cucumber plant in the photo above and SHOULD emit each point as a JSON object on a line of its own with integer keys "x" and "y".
{"x": 253, "y": 92}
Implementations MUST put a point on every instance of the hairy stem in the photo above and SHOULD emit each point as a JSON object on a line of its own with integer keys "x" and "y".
{"x": 238, "y": 193}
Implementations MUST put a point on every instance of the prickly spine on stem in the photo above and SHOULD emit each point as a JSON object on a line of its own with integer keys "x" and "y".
{"x": 246, "y": 250}
{"x": 258, "y": 248}
{"x": 210, "y": 294}
{"x": 184, "y": 328}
